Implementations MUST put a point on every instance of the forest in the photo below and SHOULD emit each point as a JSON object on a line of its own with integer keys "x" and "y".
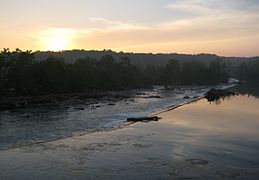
{"x": 21, "y": 74}
{"x": 249, "y": 71}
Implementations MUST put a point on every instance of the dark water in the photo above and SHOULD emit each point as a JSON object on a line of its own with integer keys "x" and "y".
{"x": 30, "y": 125}
{"x": 201, "y": 140}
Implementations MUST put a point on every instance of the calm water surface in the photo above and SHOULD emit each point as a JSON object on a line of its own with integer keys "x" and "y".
{"x": 201, "y": 140}
{"x": 30, "y": 125}
{"x": 225, "y": 133}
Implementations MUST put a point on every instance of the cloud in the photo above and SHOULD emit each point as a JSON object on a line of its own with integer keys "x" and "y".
{"x": 100, "y": 33}
{"x": 194, "y": 34}
{"x": 211, "y": 26}
{"x": 214, "y": 7}
{"x": 194, "y": 7}
{"x": 103, "y": 24}
{"x": 220, "y": 15}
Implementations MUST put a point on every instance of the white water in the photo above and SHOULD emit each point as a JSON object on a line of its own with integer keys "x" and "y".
{"x": 30, "y": 125}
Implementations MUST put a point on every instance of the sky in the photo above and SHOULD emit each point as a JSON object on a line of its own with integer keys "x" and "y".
{"x": 222, "y": 27}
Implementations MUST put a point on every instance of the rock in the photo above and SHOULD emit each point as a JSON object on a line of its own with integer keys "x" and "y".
{"x": 144, "y": 119}
{"x": 79, "y": 108}
{"x": 132, "y": 100}
{"x": 186, "y": 97}
{"x": 87, "y": 97}
{"x": 197, "y": 162}
{"x": 111, "y": 104}
{"x": 26, "y": 115}
{"x": 155, "y": 96}
{"x": 215, "y": 94}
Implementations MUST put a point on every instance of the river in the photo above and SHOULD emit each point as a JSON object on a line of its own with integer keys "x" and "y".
{"x": 38, "y": 124}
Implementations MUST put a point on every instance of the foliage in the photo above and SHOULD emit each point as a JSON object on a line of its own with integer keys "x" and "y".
{"x": 20, "y": 73}
{"x": 248, "y": 71}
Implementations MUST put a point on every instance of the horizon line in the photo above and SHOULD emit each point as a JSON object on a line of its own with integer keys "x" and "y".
{"x": 126, "y": 52}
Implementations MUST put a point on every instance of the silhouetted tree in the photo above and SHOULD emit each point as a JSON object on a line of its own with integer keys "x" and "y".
{"x": 21, "y": 74}
{"x": 248, "y": 71}
{"x": 172, "y": 73}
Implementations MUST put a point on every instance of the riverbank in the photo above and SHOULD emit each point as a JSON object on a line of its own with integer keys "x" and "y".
{"x": 15, "y": 102}
{"x": 86, "y": 98}
{"x": 199, "y": 140}
{"x": 75, "y": 116}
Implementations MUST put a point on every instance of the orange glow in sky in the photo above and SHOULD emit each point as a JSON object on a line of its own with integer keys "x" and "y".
{"x": 55, "y": 39}
{"x": 228, "y": 28}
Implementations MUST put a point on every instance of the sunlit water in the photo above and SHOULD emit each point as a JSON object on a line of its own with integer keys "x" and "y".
{"x": 225, "y": 132}
{"x": 30, "y": 125}
{"x": 201, "y": 140}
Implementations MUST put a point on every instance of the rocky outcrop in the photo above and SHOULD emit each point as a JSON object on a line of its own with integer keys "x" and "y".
{"x": 216, "y": 94}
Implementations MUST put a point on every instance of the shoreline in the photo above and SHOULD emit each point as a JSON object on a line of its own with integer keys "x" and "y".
{"x": 120, "y": 125}
{"x": 169, "y": 108}
{"x": 188, "y": 143}
{"x": 13, "y": 102}
{"x": 19, "y": 102}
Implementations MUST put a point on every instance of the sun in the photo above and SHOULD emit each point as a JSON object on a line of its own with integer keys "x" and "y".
{"x": 57, "y": 44}
{"x": 55, "y": 39}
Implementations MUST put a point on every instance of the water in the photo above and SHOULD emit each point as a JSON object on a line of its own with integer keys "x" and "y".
{"x": 30, "y": 125}
{"x": 224, "y": 134}
{"x": 201, "y": 140}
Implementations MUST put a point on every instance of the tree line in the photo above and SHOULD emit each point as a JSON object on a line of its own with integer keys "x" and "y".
{"x": 21, "y": 74}
{"x": 248, "y": 71}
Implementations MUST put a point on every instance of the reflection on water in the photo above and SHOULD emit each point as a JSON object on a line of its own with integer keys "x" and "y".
{"x": 250, "y": 89}
{"x": 224, "y": 98}
{"x": 23, "y": 126}
{"x": 200, "y": 140}
{"x": 224, "y": 133}
{"x": 245, "y": 89}
{"x": 238, "y": 115}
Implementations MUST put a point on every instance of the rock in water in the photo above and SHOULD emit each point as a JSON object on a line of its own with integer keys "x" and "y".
{"x": 144, "y": 119}
{"x": 186, "y": 97}
{"x": 215, "y": 94}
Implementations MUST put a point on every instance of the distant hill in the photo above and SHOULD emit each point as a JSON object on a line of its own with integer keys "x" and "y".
{"x": 141, "y": 59}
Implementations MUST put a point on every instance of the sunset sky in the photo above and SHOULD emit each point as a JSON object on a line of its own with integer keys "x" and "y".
{"x": 223, "y": 27}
